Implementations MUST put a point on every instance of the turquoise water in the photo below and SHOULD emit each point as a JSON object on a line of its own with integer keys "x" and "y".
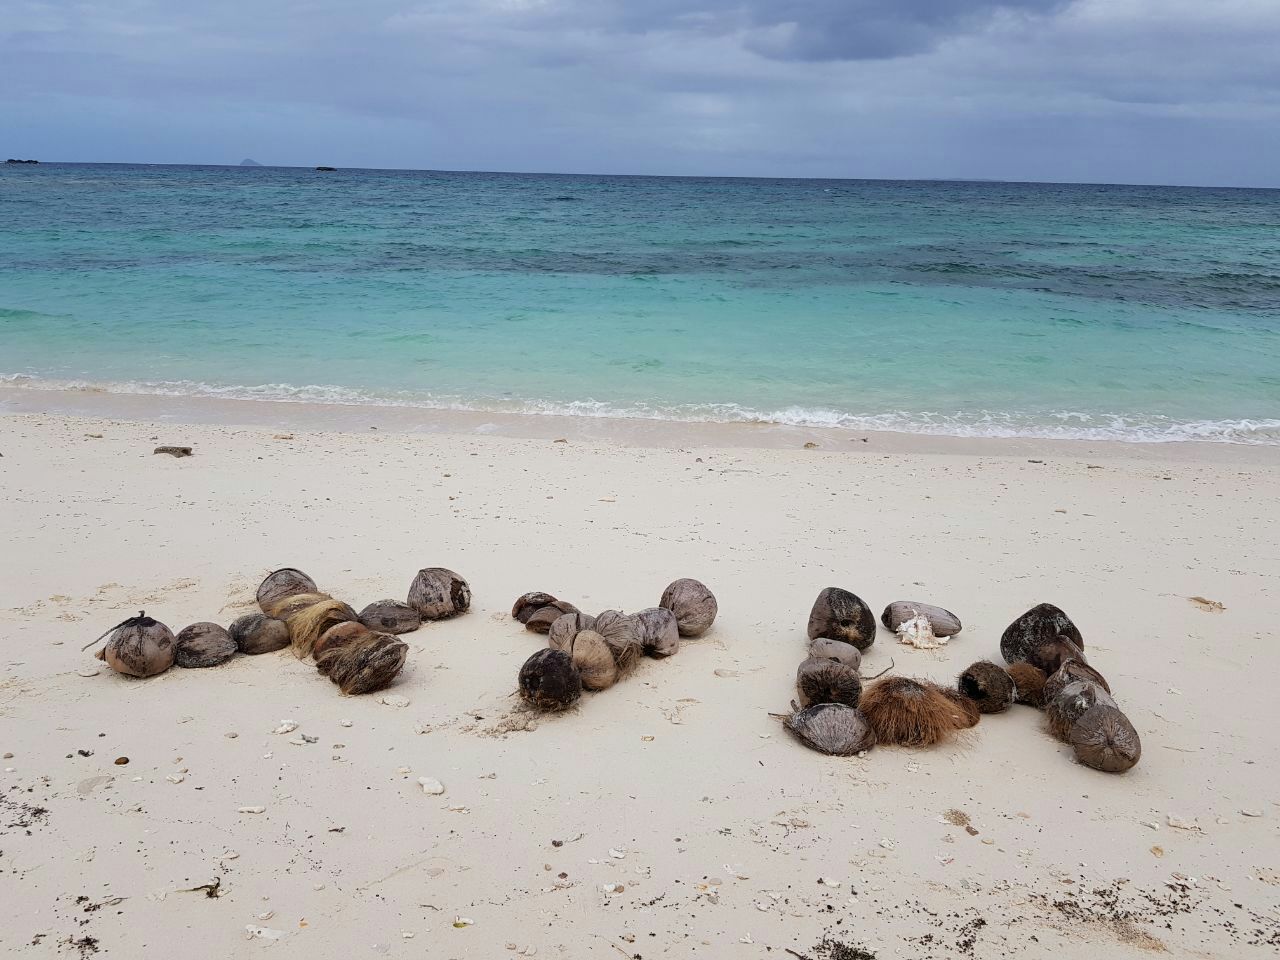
{"x": 1141, "y": 313}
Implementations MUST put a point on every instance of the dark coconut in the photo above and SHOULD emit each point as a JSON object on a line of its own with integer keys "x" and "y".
{"x": 283, "y": 583}
{"x": 390, "y": 616}
{"x": 139, "y": 647}
{"x": 625, "y": 636}
{"x": 827, "y": 681}
{"x": 529, "y": 603}
{"x": 1028, "y": 684}
{"x": 660, "y": 631}
{"x": 832, "y": 728}
{"x": 693, "y": 604}
{"x": 339, "y": 635}
{"x": 203, "y": 645}
{"x": 1103, "y": 738}
{"x": 1070, "y": 671}
{"x": 257, "y": 633}
{"x": 943, "y": 622}
{"x": 550, "y": 681}
{"x": 567, "y": 626}
{"x": 368, "y": 663}
{"x": 538, "y": 610}
{"x": 914, "y": 713}
{"x": 1050, "y": 657}
{"x": 988, "y": 685}
{"x": 437, "y": 594}
{"x": 1071, "y": 703}
{"x": 1044, "y": 626}
{"x": 838, "y": 614}
{"x": 594, "y": 660}
{"x": 836, "y": 650}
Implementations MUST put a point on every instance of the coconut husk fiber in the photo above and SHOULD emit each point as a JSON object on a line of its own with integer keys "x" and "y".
{"x": 367, "y": 663}
{"x": 339, "y": 635}
{"x": 914, "y": 713}
{"x": 308, "y": 616}
{"x": 988, "y": 685}
{"x": 1028, "y": 684}
{"x": 827, "y": 681}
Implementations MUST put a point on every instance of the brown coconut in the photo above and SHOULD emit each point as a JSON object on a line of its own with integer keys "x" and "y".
{"x": 538, "y": 610}
{"x": 1071, "y": 703}
{"x": 1070, "y": 671}
{"x": 838, "y": 614}
{"x": 836, "y": 650}
{"x": 988, "y": 685}
{"x": 831, "y": 728}
{"x": 827, "y": 681}
{"x": 1043, "y": 626}
{"x": 549, "y": 680}
{"x": 625, "y": 636}
{"x": 390, "y": 616}
{"x": 914, "y": 713}
{"x": 693, "y": 604}
{"x": 283, "y": 583}
{"x": 339, "y": 635}
{"x": 139, "y": 647}
{"x": 367, "y": 663}
{"x": 257, "y": 633}
{"x": 967, "y": 713}
{"x": 943, "y": 622}
{"x": 1028, "y": 684}
{"x": 1103, "y": 738}
{"x": 287, "y": 607}
{"x": 307, "y": 623}
{"x": 594, "y": 660}
{"x": 203, "y": 645}
{"x": 437, "y": 594}
{"x": 567, "y": 626}
{"x": 660, "y": 631}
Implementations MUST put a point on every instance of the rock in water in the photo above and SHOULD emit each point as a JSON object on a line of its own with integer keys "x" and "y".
{"x": 988, "y": 685}
{"x": 550, "y": 681}
{"x": 827, "y": 681}
{"x": 1103, "y": 738}
{"x": 203, "y": 645}
{"x": 840, "y": 615}
{"x": 944, "y": 622}
{"x": 832, "y": 728}
{"x": 257, "y": 633}
{"x": 283, "y": 583}
{"x": 567, "y": 626}
{"x": 390, "y": 616}
{"x": 368, "y": 663}
{"x": 693, "y": 604}
{"x": 437, "y": 593}
{"x": 594, "y": 660}
{"x": 660, "y": 631}
{"x": 139, "y": 647}
{"x": 1043, "y": 636}
{"x": 837, "y": 650}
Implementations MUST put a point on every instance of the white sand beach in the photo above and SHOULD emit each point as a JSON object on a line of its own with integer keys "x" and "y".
{"x": 717, "y": 834}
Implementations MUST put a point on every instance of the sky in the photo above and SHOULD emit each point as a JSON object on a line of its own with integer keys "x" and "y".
{"x": 1119, "y": 91}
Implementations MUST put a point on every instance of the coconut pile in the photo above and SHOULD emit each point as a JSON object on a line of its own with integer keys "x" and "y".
{"x": 593, "y": 653}
{"x": 359, "y": 652}
{"x": 1046, "y": 669}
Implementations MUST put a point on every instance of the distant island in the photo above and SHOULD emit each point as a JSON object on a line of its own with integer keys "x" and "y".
{"x": 249, "y": 163}
{"x": 11, "y": 160}
{"x": 326, "y": 169}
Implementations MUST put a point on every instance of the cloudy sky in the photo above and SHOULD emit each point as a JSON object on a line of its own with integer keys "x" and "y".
{"x": 1146, "y": 91}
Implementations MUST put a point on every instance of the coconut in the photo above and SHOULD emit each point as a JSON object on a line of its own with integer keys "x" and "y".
{"x": 203, "y": 645}
{"x": 914, "y": 713}
{"x": 528, "y": 603}
{"x": 1070, "y": 671}
{"x": 437, "y": 594}
{"x": 594, "y": 660}
{"x": 258, "y": 633}
{"x": 942, "y": 622}
{"x": 1103, "y": 738}
{"x": 567, "y": 626}
{"x": 988, "y": 685}
{"x": 625, "y": 636}
{"x": 831, "y": 728}
{"x": 827, "y": 681}
{"x": 339, "y": 635}
{"x": 307, "y": 623}
{"x": 1042, "y": 626}
{"x": 139, "y": 647}
{"x": 660, "y": 630}
{"x": 967, "y": 712}
{"x": 840, "y": 615}
{"x": 1028, "y": 684}
{"x": 538, "y": 610}
{"x": 836, "y": 650}
{"x": 693, "y": 604}
{"x": 287, "y": 607}
{"x": 550, "y": 681}
{"x": 1050, "y": 656}
{"x": 367, "y": 663}
{"x": 282, "y": 583}
{"x": 390, "y": 616}
{"x": 1071, "y": 703}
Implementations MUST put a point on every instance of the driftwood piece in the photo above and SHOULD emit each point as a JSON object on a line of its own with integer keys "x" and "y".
{"x": 693, "y": 604}
{"x": 203, "y": 645}
{"x": 256, "y": 633}
{"x": 944, "y": 622}
{"x": 838, "y": 614}
{"x": 390, "y": 616}
{"x": 438, "y": 593}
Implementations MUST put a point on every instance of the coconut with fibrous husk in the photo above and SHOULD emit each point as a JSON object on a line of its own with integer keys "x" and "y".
{"x": 660, "y": 632}
{"x": 1070, "y": 671}
{"x": 942, "y": 622}
{"x": 693, "y": 604}
{"x": 390, "y": 616}
{"x": 625, "y": 636}
{"x": 837, "y": 650}
{"x": 1028, "y": 684}
{"x": 203, "y": 645}
{"x": 988, "y": 685}
{"x": 284, "y": 608}
{"x": 594, "y": 660}
{"x": 339, "y": 635}
{"x": 308, "y": 622}
{"x": 914, "y": 713}
{"x": 367, "y": 663}
{"x": 1103, "y": 738}
{"x": 549, "y": 680}
{"x": 567, "y": 626}
{"x": 838, "y": 614}
{"x": 438, "y": 593}
{"x": 827, "y": 681}
{"x": 967, "y": 712}
{"x": 283, "y": 583}
{"x": 1044, "y": 626}
{"x": 831, "y": 728}
{"x": 1071, "y": 703}
{"x": 538, "y": 610}
{"x": 138, "y": 647}
{"x": 257, "y": 633}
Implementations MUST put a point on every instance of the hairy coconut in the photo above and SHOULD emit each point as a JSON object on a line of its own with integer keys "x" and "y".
{"x": 550, "y": 681}
{"x": 594, "y": 660}
{"x": 1070, "y": 671}
{"x": 988, "y": 685}
{"x": 285, "y": 608}
{"x": 367, "y": 663}
{"x": 437, "y": 594}
{"x": 693, "y": 604}
{"x": 943, "y": 622}
{"x": 832, "y": 728}
{"x": 1028, "y": 684}
{"x": 625, "y": 636}
{"x": 1071, "y": 703}
{"x": 567, "y": 626}
{"x": 139, "y": 647}
{"x": 257, "y": 633}
{"x": 282, "y": 583}
{"x": 838, "y": 614}
{"x": 308, "y": 623}
{"x": 390, "y": 616}
{"x": 827, "y": 681}
{"x": 660, "y": 631}
{"x": 967, "y": 712}
{"x": 1103, "y": 738}
{"x": 339, "y": 635}
{"x": 1042, "y": 626}
{"x": 914, "y": 713}
{"x": 837, "y": 650}
{"x": 203, "y": 645}
{"x": 538, "y": 610}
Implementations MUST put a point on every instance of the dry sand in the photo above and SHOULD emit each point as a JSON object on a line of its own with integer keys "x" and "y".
{"x": 724, "y": 837}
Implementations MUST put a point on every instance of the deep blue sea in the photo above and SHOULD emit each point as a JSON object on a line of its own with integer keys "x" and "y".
{"x": 971, "y": 309}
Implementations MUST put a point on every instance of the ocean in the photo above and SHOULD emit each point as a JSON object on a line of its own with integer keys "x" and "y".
{"x": 953, "y": 308}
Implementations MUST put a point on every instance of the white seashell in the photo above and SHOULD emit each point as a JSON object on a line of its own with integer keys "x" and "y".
{"x": 286, "y": 726}
{"x": 918, "y": 632}
{"x": 344, "y": 723}
{"x": 394, "y": 700}
{"x": 616, "y": 853}
{"x": 254, "y": 809}
{"x": 431, "y": 786}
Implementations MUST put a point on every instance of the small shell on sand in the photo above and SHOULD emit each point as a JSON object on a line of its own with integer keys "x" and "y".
{"x": 918, "y": 632}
